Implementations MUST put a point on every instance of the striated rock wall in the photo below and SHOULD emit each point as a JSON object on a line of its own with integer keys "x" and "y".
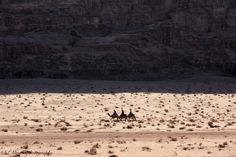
{"x": 116, "y": 39}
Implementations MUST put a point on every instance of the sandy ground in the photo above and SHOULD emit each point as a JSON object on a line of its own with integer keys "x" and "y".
{"x": 68, "y": 118}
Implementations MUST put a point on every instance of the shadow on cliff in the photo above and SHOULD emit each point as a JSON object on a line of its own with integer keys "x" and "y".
{"x": 210, "y": 85}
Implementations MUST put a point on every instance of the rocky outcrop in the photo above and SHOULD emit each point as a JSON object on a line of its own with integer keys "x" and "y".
{"x": 116, "y": 39}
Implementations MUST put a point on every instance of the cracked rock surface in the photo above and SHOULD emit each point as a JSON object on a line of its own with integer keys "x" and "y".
{"x": 116, "y": 39}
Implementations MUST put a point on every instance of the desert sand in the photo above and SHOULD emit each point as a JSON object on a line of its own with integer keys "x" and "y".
{"x": 68, "y": 118}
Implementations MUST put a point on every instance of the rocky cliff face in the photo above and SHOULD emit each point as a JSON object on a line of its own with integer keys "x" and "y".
{"x": 116, "y": 39}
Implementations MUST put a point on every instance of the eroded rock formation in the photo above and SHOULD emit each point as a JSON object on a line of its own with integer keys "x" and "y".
{"x": 116, "y": 39}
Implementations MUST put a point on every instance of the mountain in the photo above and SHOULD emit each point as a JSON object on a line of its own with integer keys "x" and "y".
{"x": 117, "y": 39}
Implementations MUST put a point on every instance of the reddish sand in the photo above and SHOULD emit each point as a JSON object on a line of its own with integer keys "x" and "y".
{"x": 191, "y": 117}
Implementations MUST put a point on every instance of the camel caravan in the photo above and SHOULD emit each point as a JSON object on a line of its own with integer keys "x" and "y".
{"x": 122, "y": 117}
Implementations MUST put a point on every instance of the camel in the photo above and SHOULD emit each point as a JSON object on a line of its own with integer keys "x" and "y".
{"x": 131, "y": 116}
{"x": 114, "y": 116}
{"x": 123, "y": 116}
